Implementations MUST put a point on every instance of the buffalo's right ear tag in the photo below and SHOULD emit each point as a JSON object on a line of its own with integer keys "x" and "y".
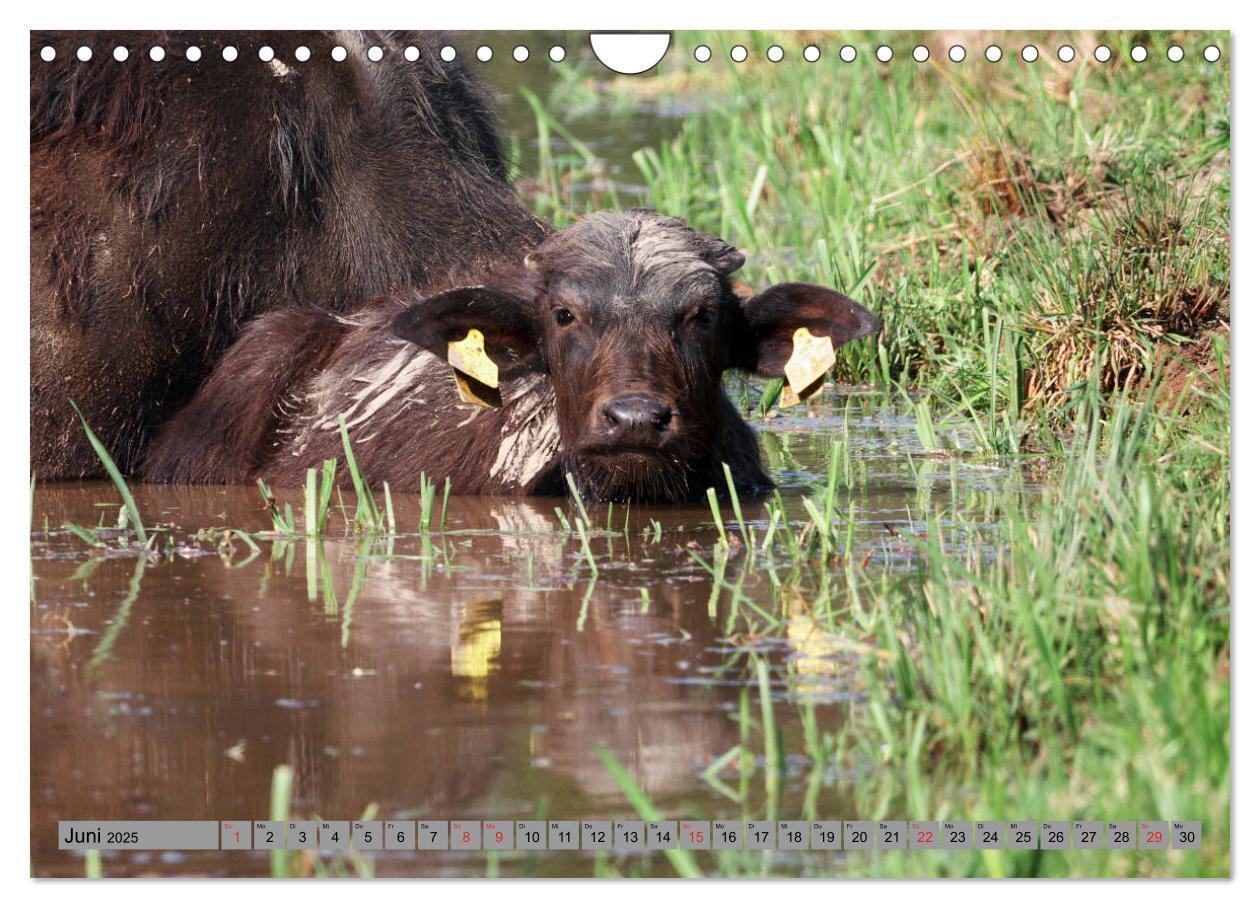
{"x": 476, "y": 374}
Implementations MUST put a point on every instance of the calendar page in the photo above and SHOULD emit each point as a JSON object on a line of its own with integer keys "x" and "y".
{"x": 718, "y": 454}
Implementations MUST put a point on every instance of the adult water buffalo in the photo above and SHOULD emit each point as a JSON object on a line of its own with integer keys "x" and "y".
{"x": 172, "y": 201}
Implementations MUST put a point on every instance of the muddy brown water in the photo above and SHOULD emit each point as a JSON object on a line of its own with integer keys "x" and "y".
{"x": 464, "y": 674}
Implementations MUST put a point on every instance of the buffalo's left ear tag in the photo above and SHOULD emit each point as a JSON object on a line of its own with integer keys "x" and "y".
{"x": 811, "y": 358}
{"x": 476, "y": 375}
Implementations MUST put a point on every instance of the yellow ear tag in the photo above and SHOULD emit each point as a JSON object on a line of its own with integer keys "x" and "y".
{"x": 811, "y": 358}
{"x": 476, "y": 375}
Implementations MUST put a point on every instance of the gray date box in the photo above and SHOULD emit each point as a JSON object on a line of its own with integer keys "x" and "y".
{"x": 1122, "y": 835}
{"x": 334, "y": 835}
{"x": 923, "y": 835}
{"x": 826, "y": 835}
{"x": 890, "y": 835}
{"x": 400, "y": 835}
{"x": 531, "y": 835}
{"x": 793, "y": 835}
{"x": 564, "y": 835}
{"x": 628, "y": 835}
{"x": 956, "y": 835}
{"x": 366, "y": 835}
{"x": 597, "y": 835}
{"x": 433, "y": 835}
{"x": 1021, "y": 835}
{"x": 859, "y": 835}
{"x": 465, "y": 835}
{"x": 662, "y": 834}
{"x": 1187, "y": 835}
{"x": 496, "y": 835}
{"x": 300, "y": 835}
{"x": 759, "y": 835}
{"x": 1152, "y": 835}
{"x": 1087, "y": 835}
{"x": 1055, "y": 836}
{"x": 989, "y": 835}
{"x": 269, "y": 835}
{"x": 695, "y": 835}
{"x": 234, "y": 835}
{"x": 726, "y": 835}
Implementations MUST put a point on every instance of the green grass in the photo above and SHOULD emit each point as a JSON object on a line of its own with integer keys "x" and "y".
{"x": 1017, "y": 227}
{"x": 1046, "y": 245}
{"x": 115, "y": 475}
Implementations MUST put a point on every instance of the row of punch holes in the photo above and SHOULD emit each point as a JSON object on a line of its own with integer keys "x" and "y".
{"x": 811, "y": 53}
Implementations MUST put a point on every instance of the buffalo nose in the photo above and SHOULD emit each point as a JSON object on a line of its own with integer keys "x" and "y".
{"x": 636, "y": 412}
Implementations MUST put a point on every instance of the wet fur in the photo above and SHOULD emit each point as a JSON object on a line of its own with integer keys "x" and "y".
{"x": 284, "y": 380}
{"x": 649, "y": 314}
{"x": 172, "y": 202}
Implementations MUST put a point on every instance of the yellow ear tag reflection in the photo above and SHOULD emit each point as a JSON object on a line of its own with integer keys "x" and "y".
{"x": 476, "y": 375}
{"x": 812, "y": 358}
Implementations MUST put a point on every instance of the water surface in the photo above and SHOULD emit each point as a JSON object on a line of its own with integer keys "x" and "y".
{"x": 464, "y": 673}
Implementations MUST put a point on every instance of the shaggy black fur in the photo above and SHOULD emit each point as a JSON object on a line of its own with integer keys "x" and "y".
{"x": 171, "y": 202}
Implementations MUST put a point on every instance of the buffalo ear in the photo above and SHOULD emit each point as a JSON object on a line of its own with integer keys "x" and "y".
{"x": 761, "y": 340}
{"x": 508, "y": 323}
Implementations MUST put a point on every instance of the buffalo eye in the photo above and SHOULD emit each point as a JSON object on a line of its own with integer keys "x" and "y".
{"x": 563, "y": 317}
{"x": 701, "y": 317}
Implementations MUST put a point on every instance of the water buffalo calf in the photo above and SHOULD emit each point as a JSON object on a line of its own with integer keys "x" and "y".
{"x": 611, "y": 338}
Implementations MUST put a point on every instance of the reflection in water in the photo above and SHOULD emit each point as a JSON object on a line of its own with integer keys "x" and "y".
{"x": 465, "y": 673}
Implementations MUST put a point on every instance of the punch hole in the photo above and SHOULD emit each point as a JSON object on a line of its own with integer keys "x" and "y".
{"x": 266, "y": 54}
{"x": 121, "y": 53}
{"x": 411, "y": 53}
{"x": 47, "y": 54}
{"x": 302, "y": 54}
{"x": 485, "y": 54}
{"x": 1102, "y": 53}
{"x": 229, "y": 53}
{"x": 157, "y": 54}
{"x": 1138, "y": 54}
{"x": 774, "y": 54}
{"x": 192, "y": 53}
{"x": 739, "y": 53}
{"x": 921, "y": 53}
{"x": 520, "y": 53}
{"x": 1029, "y": 54}
{"x": 630, "y": 53}
{"x": 1176, "y": 54}
{"x": 993, "y": 53}
{"x": 339, "y": 53}
{"x": 1211, "y": 53}
{"x": 84, "y": 54}
{"x": 958, "y": 53}
{"x": 883, "y": 53}
{"x": 848, "y": 53}
{"x": 556, "y": 54}
{"x": 375, "y": 54}
{"x": 703, "y": 54}
{"x": 1067, "y": 53}
{"x": 811, "y": 53}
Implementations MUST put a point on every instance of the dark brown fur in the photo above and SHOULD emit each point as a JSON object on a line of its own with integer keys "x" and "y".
{"x": 620, "y": 307}
{"x": 171, "y": 202}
